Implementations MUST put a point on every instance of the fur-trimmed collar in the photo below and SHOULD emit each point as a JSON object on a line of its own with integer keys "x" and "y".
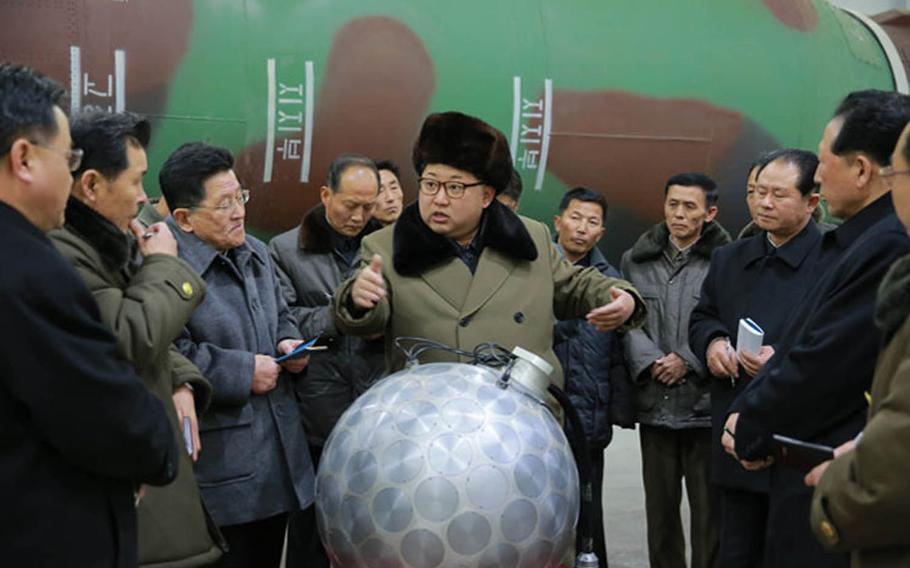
{"x": 892, "y": 304}
{"x": 652, "y": 244}
{"x": 416, "y": 247}
{"x": 115, "y": 247}
{"x": 316, "y": 233}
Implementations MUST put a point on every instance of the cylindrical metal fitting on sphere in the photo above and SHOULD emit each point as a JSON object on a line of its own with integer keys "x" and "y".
{"x": 437, "y": 466}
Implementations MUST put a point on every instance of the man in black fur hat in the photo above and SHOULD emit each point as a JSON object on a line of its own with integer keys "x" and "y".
{"x": 466, "y": 270}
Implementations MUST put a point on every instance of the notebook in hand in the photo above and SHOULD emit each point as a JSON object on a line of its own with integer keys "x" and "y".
{"x": 749, "y": 337}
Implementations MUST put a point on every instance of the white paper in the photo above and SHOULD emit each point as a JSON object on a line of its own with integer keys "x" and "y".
{"x": 750, "y": 337}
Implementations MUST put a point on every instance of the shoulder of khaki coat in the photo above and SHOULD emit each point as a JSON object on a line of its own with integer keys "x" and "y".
{"x": 183, "y": 371}
{"x": 576, "y": 290}
{"x": 376, "y": 320}
{"x": 863, "y": 499}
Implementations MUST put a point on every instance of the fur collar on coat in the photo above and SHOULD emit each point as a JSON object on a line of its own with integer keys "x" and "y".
{"x": 316, "y": 233}
{"x": 652, "y": 244}
{"x": 417, "y": 248}
{"x": 115, "y": 247}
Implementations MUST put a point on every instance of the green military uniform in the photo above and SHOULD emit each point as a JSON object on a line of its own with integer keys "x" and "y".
{"x": 862, "y": 503}
{"x": 146, "y": 306}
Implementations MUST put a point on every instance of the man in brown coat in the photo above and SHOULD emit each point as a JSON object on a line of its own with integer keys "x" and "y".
{"x": 460, "y": 268}
{"x": 145, "y": 299}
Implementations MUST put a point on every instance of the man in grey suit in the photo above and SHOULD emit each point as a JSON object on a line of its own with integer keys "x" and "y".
{"x": 254, "y": 469}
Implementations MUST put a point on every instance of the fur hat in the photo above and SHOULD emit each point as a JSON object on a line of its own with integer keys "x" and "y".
{"x": 466, "y": 143}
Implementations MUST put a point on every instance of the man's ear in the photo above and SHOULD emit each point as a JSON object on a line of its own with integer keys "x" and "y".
{"x": 489, "y": 194}
{"x": 812, "y": 201}
{"x": 181, "y": 216}
{"x": 712, "y": 213}
{"x": 21, "y": 153}
{"x": 324, "y": 194}
{"x": 89, "y": 185}
{"x": 864, "y": 170}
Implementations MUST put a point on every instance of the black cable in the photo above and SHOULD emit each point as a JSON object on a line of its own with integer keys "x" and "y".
{"x": 579, "y": 445}
{"x": 489, "y": 354}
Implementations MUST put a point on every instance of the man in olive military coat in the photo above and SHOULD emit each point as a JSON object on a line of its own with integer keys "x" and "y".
{"x": 145, "y": 299}
{"x": 460, "y": 268}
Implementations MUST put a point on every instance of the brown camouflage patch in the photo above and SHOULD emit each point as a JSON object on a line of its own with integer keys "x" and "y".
{"x": 797, "y": 14}
{"x": 378, "y": 82}
{"x": 44, "y": 31}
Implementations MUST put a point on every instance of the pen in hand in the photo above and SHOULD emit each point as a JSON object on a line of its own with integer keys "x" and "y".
{"x": 732, "y": 352}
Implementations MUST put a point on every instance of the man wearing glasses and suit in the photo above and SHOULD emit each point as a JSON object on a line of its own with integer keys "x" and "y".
{"x": 254, "y": 468}
{"x": 460, "y": 268}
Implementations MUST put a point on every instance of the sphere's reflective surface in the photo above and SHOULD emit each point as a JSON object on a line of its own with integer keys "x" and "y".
{"x": 437, "y": 466}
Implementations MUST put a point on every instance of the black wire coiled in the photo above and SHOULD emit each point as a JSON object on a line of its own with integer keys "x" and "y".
{"x": 489, "y": 354}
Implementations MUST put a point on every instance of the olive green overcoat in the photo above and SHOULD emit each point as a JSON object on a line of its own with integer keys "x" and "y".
{"x": 146, "y": 306}
{"x": 862, "y": 503}
{"x": 520, "y": 287}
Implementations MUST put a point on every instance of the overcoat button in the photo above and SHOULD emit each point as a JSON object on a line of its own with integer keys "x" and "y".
{"x": 519, "y": 317}
{"x": 828, "y": 532}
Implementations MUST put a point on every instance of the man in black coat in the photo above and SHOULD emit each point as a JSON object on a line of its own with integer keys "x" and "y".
{"x": 79, "y": 432}
{"x": 763, "y": 277}
{"x": 813, "y": 387}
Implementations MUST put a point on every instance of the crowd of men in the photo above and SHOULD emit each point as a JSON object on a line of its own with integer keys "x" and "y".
{"x": 149, "y": 418}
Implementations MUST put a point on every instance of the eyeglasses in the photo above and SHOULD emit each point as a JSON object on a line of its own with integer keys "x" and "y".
{"x": 889, "y": 171}
{"x": 73, "y": 156}
{"x": 453, "y": 189}
{"x": 228, "y": 204}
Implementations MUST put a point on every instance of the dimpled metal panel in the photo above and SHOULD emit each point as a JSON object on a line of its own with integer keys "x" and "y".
{"x": 438, "y": 466}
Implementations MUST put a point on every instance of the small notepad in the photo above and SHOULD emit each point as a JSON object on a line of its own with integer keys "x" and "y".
{"x": 750, "y": 337}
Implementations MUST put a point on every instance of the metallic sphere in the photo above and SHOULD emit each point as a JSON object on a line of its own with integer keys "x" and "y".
{"x": 438, "y": 466}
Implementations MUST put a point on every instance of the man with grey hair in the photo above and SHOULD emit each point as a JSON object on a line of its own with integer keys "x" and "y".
{"x": 254, "y": 469}
{"x": 312, "y": 260}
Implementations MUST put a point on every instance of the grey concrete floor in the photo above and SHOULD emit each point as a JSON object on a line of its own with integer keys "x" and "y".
{"x": 624, "y": 503}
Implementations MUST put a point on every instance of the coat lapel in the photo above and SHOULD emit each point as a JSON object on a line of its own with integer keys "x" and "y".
{"x": 451, "y": 280}
{"x": 492, "y": 270}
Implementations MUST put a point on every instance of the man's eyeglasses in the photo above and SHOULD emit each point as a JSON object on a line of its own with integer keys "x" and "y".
{"x": 228, "y": 204}
{"x": 73, "y": 155}
{"x": 889, "y": 171}
{"x": 453, "y": 189}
